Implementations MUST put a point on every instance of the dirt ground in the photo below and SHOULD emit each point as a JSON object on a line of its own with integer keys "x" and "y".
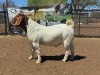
{"x": 15, "y": 50}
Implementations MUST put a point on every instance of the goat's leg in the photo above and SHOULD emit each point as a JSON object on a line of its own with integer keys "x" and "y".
{"x": 32, "y": 55}
{"x": 66, "y": 56}
{"x": 39, "y": 57}
{"x": 66, "y": 45}
{"x": 37, "y": 49}
{"x": 72, "y": 51}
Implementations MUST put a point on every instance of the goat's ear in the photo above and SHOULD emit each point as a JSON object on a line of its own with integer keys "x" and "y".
{"x": 16, "y": 21}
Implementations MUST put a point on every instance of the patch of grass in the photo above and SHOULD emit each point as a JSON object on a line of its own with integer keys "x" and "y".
{"x": 58, "y": 17}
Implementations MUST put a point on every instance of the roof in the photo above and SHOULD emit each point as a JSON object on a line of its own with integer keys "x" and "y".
{"x": 92, "y": 7}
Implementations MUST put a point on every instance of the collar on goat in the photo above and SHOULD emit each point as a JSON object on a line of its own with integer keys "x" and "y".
{"x": 20, "y": 20}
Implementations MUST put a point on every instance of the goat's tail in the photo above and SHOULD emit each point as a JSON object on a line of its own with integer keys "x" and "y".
{"x": 70, "y": 23}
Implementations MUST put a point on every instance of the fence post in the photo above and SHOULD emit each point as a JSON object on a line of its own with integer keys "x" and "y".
{"x": 79, "y": 23}
{"x": 86, "y": 18}
{"x": 5, "y": 20}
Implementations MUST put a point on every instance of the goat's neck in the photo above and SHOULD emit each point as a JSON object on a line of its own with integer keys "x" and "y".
{"x": 32, "y": 27}
{"x": 31, "y": 22}
{"x": 23, "y": 26}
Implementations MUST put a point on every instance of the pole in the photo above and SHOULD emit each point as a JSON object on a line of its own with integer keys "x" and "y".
{"x": 5, "y": 20}
{"x": 7, "y": 3}
{"x": 79, "y": 23}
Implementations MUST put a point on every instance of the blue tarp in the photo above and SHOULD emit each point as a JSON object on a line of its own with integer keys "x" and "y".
{"x": 92, "y": 7}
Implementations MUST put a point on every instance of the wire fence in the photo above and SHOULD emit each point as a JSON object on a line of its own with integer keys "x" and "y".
{"x": 3, "y": 22}
{"x": 87, "y": 23}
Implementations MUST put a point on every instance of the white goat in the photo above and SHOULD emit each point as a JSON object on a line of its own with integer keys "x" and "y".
{"x": 50, "y": 35}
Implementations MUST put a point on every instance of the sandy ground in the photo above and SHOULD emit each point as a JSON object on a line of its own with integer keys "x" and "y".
{"x": 15, "y": 50}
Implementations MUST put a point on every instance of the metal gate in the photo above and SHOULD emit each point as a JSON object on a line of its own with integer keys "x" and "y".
{"x": 3, "y": 26}
{"x": 87, "y": 23}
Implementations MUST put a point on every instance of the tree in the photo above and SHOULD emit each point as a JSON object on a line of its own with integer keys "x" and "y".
{"x": 44, "y": 2}
{"x": 77, "y": 4}
{"x": 9, "y": 3}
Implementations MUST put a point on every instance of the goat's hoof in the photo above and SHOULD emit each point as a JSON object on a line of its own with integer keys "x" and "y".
{"x": 72, "y": 58}
{"x": 64, "y": 60}
{"x": 38, "y": 62}
{"x": 31, "y": 57}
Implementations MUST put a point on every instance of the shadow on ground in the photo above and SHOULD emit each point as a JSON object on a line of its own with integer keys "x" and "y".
{"x": 60, "y": 57}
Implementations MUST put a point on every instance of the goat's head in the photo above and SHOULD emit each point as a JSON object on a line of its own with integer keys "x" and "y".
{"x": 20, "y": 20}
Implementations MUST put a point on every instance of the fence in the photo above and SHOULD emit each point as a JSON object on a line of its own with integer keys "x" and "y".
{"x": 87, "y": 23}
{"x": 3, "y": 23}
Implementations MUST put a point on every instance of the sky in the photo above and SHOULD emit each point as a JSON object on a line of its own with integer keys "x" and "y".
{"x": 19, "y": 3}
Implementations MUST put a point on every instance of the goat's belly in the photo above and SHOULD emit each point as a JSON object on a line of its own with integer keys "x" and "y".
{"x": 54, "y": 42}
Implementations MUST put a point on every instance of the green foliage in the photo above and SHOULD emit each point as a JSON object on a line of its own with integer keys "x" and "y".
{"x": 44, "y": 2}
{"x": 76, "y": 3}
{"x": 58, "y": 17}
